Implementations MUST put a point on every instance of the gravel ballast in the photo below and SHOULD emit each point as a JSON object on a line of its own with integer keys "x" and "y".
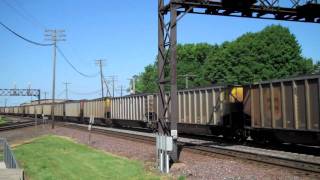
{"x": 191, "y": 165}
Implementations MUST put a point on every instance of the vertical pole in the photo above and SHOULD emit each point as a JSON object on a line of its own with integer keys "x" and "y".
{"x": 66, "y": 84}
{"x": 39, "y": 96}
{"x": 187, "y": 83}
{"x": 101, "y": 78}
{"x": 112, "y": 86}
{"x": 161, "y": 52}
{"x": 54, "y": 38}
{"x": 173, "y": 75}
{"x": 45, "y": 97}
{"x": 66, "y": 91}
{"x": 161, "y": 103}
{"x": 134, "y": 84}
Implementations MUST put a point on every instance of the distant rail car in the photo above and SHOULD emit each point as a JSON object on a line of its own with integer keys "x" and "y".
{"x": 285, "y": 111}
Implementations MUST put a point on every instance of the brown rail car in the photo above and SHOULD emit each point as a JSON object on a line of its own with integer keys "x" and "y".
{"x": 285, "y": 109}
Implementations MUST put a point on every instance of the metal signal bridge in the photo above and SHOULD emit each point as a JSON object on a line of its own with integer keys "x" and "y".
{"x": 289, "y": 10}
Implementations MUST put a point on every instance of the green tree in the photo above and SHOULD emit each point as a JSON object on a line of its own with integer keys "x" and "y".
{"x": 147, "y": 80}
{"x": 272, "y": 53}
{"x": 190, "y": 59}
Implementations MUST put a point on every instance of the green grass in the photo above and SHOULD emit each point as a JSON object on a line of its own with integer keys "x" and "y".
{"x": 2, "y": 120}
{"x": 53, "y": 157}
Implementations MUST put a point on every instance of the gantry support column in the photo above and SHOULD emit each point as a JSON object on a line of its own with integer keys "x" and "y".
{"x": 167, "y": 42}
{"x": 173, "y": 116}
{"x": 161, "y": 63}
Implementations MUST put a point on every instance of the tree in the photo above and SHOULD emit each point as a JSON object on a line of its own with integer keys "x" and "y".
{"x": 269, "y": 54}
{"x": 190, "y": 59}
{"x": 272, "y": 53}
{"x": 147, "y": 80}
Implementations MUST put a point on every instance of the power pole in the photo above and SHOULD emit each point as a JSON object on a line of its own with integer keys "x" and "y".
{"x": 121, "y": 90}
{"x": 100, "y": 64}
{"x": 5, "y": 102}
{"x": 133, "y": 84}
{"x": 66, "y": 84}
{"x": 187, "y": 76}
{"x": 29, "y": 87}
{"x": 113, "y": 79}
{"x": 45, "y": 96}
{"x": 54, "y": 36}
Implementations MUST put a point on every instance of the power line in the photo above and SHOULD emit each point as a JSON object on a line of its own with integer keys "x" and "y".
{"x": 61, "y": 93}
{"x": 72, "y": 66}
{"x": 24, "y": 15}
{"x": 27, "y": 14}
{"x": 20, "y": 36}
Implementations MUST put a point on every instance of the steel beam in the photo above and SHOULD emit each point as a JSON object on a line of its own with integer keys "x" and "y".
{"x": 297, "y": 10}
{"x": 173, "y": 116}
{"x": 21, "y": 92}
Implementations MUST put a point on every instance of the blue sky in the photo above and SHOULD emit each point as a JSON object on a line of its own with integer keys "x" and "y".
{"x": 124, "y": 33}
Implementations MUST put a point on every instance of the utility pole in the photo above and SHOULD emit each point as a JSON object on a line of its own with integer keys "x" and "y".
{"x": 187, "y": 76}
{"x": 112, "y": 79}
{"x": 121, "y": 90}
{"x": 66, "y": 84}
{"x": 133, "y": 84}
{"x": 99, "y": 62}
{"x": 29, "y": 88}
{"x": 45, "y": 96}
{"x": 14, "y": 87}
{"x": 5, "y": 102}
{"x": 54, "y": 36}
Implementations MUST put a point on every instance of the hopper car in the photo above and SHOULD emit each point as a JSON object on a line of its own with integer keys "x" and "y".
{"x": 284, "y": 111}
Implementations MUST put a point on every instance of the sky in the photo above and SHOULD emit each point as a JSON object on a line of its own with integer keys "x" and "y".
{"x": 123, "y": 33}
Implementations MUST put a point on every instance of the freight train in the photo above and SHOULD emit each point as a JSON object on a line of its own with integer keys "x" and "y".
{"x": 284, "y": 111}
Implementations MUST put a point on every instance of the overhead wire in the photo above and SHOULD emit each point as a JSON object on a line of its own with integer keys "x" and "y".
{"x": 25, "y": 39}
{"x": 72, "y": 66}
{"x": 26, "y": 16}
{"x": 61, "y": 93}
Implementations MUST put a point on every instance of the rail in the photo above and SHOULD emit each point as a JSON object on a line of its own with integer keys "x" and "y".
{"x": 280, "y": 158}
{"x": 8, "y": 156}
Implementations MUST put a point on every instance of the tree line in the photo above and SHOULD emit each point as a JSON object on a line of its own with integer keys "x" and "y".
{"x": 271, "y": 53}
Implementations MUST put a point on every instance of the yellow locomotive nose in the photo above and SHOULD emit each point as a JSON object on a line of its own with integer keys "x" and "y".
{"x": 236, "y": 94}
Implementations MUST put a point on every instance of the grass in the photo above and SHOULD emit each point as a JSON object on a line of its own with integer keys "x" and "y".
{"x": 54, "y": 157}
{"x": 2, "y": 120}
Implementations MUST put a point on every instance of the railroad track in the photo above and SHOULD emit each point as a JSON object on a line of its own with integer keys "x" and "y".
{"x": 287, "y": 159}
{"x": 17, "y": 125}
